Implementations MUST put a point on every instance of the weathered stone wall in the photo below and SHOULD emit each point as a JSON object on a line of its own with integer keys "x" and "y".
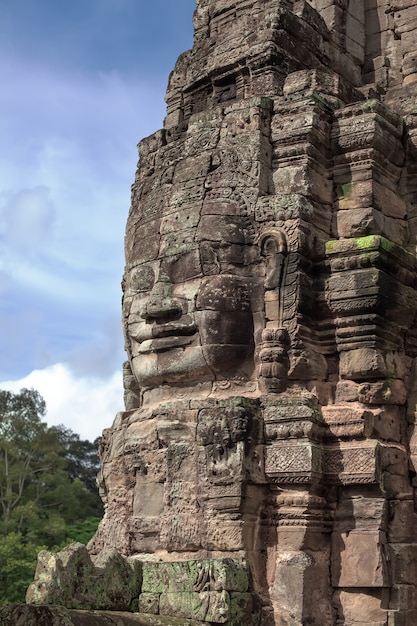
{"x": 269, "y": 313}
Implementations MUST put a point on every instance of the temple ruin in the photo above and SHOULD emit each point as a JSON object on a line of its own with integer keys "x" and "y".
{"x": 263, "y": 472}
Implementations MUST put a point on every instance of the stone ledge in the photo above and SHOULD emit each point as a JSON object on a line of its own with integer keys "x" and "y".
{"x": 34, "y": 615}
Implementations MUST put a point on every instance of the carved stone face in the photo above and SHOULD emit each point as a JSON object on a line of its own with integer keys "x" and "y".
{"x": 187, "y": 313}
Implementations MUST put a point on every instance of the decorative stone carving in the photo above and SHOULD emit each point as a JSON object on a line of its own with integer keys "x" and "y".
{"x": 274, "y": 361}
{"x": 269, "y": 314}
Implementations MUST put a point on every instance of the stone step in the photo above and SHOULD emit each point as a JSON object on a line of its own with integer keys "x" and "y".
{"x": 33, "y": 615}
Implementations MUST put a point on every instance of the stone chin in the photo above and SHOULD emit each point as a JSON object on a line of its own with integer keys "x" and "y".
{"x": 172, "y": 366}
{"x": 189, "y": 365}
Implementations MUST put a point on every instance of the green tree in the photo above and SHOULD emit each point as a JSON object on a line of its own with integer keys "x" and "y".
{"x": 17, "y": 567}
{"x": 48, "y": 492}
{"x": 24, "y": 458}
{"x": 82, "y": 530}
{"x": 81, "y": 465}
{"x": 47, "y": 474}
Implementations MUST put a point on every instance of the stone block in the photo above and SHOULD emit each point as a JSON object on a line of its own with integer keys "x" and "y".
{"x": 403, "y": 597}
{"x": 357, "y": 10}
{"x": 272, "y": 310}
{"x": 186, "y": 217}
{"x": 230, "y": 575}
{"x": 154, "y": 581}
{"x": 400, "y": 5}
{"x": 194, "y": 575}
{"x": 363, "y": 363}
{"x": 300, "y": 581}
{"x": 355, "y": 32}
{"x": 149, "y": 603}
{"x": 361, "y": 607}
{"x": 333, "y": 16}
{"x": 179, "y": 242}
{"x": 409, "y": 63}
{"x": 225, "y": 534}
{"x": 291, "y": 408}
{"x": 403, "y": 559}
{"x": 346, "y": 420}
{"x": 364, "y": 127}
{"x": 206, "y": 606}
{"x": 300, "y": 462}
{"x": 357, "y": 281}
{"x": 117, "y": 582}
{"x": 350, "y": 463}
{"x": 144, "y": 532}
{"x": 359, "y": 222}
{"x": 173, "y": 119}
{"x": 355, "y": 48}
{"x": 244, "y": 609}
{"x": 346, "y": 391}
{"x": 191, "y": 168}
{"x": 304, "y": 177}
{"x": 30, "y": 615}
{"x": 394, "y": 472}
{"x": 406, "y": 20}
{"x": 148, "y": 498}
{"x": 384, "y": 423}
{"x": 185, "y": 195}
{"x": 359, "y": 559}
{"x": 72, "y": 579}
{"x": 369, "y": 194}
{"x": 402, "y": 618}
{"x": 182, "y": 527}
{"x": 389, "y": 391}
{"x": 298, "y": 537}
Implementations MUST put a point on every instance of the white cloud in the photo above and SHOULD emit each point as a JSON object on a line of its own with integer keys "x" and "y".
{"x": 28, "y": 218}
{"x": 85, "y": 405}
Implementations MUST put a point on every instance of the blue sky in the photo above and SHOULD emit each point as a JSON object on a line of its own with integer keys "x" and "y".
{"x": 82, "y": 83}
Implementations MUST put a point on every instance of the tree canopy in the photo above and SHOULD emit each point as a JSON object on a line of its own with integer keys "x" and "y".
{"x": 48, "y": 492}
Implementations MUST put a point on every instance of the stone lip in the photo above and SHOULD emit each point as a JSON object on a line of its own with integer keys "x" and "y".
{"x": 34, "y": 615}
{"x": 164, "y": 343}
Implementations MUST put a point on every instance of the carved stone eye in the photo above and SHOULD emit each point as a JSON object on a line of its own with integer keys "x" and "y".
{"x": 142, "y": 278}
{"x": 223, "y": 293}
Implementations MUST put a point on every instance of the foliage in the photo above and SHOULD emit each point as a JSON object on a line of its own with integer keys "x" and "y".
{"x": 81, "y": 466}
{"x": 48, "y": 491}
{"x": 82, "y": 530}
{"x": 17, "y": 566}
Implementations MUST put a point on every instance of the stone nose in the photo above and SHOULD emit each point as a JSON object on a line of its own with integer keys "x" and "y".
{"x": 158, "y": 308}
{"x": 161, "y": 304}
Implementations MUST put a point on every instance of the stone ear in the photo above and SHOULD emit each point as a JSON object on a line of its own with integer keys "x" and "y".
{"x": 274, "y": 251}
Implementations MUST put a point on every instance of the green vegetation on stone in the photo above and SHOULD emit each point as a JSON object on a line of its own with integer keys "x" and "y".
{"x": 345, "y": 190}
{"x": 369, "y": 242}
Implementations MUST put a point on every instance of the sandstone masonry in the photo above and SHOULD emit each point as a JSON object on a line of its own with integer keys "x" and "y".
{"x": 264, "y": 469}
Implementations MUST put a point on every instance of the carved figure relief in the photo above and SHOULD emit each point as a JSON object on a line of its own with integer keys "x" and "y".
{"x": 273, "y": 353}
{"x": 185, "y": 320}
{"x": 269, "y": 315}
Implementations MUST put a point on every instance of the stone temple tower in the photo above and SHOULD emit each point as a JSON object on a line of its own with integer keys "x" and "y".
{"x": 263, "y": 471}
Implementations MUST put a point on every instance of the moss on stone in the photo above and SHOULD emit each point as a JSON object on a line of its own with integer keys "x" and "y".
{"x": 345, "y": 190}
{"x": 367, "y": 243}
{"x": 330, "y": 245}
